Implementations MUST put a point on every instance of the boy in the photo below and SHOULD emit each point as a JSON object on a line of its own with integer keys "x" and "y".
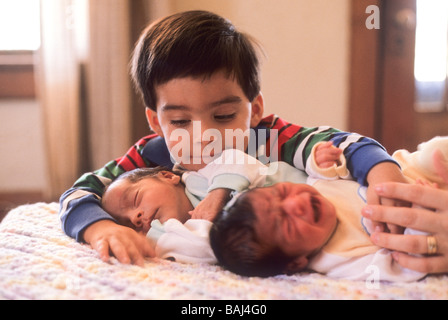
{"x": 195, "y": 67}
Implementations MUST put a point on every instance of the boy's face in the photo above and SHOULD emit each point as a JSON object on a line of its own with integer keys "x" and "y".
{"x": 195, "y": 114}
{"x": 294, "y": 217}
{"x": 136, "y": 205}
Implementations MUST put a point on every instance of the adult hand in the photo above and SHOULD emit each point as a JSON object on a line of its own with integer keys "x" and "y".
{"x": 429, "y": 214}
{"x": 382, "y": 173}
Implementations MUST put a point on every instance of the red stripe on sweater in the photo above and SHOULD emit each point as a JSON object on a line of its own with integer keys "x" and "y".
{"x": 133, "y": 159}
{"x": 283, "y": 135}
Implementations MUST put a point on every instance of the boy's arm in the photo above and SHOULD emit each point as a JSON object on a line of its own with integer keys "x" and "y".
{"x": 367, "y": 161}
{"x": 83, "y": 218}
{"x": 295, "y": 144}
{"x": 233, "y": 171}
{"x": 80, "y": 206}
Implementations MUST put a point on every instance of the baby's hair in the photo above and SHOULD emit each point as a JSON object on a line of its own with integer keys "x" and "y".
{"x": 138, "y": 174}
{"x": 234, "y": 242}
{"x": 193, "y": 44}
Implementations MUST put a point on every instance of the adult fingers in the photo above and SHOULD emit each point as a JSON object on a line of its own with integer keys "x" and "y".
{"x": 415, "y": 218}
{"x": 393, "y": 228}
{"x": 417, "y": 194}
{"x": 415, "y": 244}
{"x": 436, "y": 264}
{"x": 440, "y": 164}
{"x": 374, "y": 199}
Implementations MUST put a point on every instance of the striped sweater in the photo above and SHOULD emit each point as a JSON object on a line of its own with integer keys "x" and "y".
{"x": 80, "y": 206}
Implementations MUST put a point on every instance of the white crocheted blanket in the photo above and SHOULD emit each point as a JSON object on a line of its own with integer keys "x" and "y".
{"x": 37, "y": 261}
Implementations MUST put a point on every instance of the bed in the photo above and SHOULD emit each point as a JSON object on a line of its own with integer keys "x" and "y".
{"x": 38, "y": 261}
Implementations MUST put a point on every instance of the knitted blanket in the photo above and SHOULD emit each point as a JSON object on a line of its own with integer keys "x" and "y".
{"x": 37, "y": 261}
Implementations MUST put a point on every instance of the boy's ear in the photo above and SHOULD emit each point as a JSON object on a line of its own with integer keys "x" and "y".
{"x": 153, "y": 121}
{"x": 169, "y": 176}
{"x": 257, "y": 110}
{"x": 298, "y": 264}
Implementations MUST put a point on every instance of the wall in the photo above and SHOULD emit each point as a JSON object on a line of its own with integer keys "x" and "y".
{"x": 305, "y": 73}
{"x": 22, "y": 147}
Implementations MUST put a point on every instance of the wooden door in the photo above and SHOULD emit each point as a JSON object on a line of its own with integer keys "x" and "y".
{"x": 382, "y": 95}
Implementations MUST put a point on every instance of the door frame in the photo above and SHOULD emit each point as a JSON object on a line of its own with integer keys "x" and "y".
{"x": 381, "y": 88}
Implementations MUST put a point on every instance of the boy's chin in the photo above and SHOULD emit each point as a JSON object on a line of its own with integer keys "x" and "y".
{"x": 196, "y": 164}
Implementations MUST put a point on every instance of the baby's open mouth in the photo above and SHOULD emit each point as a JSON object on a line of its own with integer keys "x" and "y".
{"x": 316, "y": 205}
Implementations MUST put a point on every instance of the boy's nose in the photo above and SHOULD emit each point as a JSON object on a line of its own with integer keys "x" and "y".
{"x": 204, "y": 132}
{"x": 206, "y": 137}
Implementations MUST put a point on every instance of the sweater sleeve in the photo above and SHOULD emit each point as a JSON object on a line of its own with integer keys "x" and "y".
{"x": 295, "y": 144}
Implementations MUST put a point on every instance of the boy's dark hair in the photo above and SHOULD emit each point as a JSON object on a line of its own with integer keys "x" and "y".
{"x": 234, "y": 242}
{"x": 193, "y": 44}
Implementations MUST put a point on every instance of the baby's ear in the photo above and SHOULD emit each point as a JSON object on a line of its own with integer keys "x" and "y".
{"x": 298, "y": 264}
{"x": 169, "y": 176}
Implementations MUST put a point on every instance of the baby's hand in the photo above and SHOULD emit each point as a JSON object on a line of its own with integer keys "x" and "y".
{"x": 327, "y": 155}
{"x": 211, "y": 205}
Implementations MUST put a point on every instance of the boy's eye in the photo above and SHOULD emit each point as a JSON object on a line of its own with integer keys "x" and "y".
{"x": 225, "y": 117}
{"x": 180, "y": 123}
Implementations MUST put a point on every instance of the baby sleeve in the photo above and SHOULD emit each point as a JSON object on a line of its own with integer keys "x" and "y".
{"x": 184, "y": 243}
{"x": 334, "y": 172}
{"x": 234, "y": 170}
